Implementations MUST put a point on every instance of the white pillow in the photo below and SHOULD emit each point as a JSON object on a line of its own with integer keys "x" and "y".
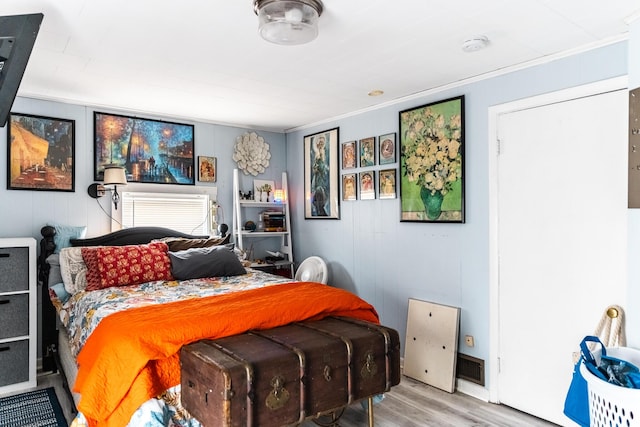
{"x": 73, "y": 270}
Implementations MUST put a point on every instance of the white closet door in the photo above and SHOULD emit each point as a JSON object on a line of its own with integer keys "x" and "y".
{"x": 562, "y": 230}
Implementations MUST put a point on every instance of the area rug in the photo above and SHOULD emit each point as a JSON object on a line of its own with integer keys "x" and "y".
{"x": 34, "y": 408}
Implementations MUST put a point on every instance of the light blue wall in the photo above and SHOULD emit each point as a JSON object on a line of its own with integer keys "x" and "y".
{"x": 387, "y": 262}
{"x": 23, "y": 213}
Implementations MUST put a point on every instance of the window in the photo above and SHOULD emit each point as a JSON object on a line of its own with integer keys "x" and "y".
{"x": 187, "y": 213}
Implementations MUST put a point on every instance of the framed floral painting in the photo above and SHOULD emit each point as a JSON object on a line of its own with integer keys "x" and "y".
{"x": 321, "y": 180}
{"x": 432, "y": 162}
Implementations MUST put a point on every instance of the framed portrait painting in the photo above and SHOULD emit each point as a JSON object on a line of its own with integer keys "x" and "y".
{"x": 387, "y": 189}
{"x": 367, "y": 185}
{"x": 349, "y": 187}
{"x": 321, "y": 180}
{"x": 206, "y": 169}
{"x": 432, "y": 162}
{"x": 349, "y": 158}
{"x": 40, "y": 153}
{"x": 151, "y": 151}
{"x": 387, "y": 148}
{"x": 367, "y": 152}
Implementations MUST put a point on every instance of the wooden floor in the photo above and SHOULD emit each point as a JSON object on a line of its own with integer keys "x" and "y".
{"x": 410, "y": 404}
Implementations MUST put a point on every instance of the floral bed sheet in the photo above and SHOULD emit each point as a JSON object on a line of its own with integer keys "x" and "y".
{"x": 82, "y": 313}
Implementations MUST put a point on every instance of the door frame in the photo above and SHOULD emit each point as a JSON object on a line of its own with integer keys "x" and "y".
{"x": 495, "y": 112}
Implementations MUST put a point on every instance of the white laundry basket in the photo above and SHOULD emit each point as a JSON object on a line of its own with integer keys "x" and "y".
{"x": 611, "y": 405}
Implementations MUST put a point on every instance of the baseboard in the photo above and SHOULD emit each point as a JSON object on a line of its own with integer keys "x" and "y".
{"x": 472, "y": 389}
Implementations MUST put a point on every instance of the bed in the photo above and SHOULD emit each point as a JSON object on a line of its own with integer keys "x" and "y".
{"x": 117, "y": 344}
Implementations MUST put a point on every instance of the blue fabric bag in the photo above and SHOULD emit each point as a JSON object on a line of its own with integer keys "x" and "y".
{"x": 610, "y": 369}
{"x": 576, "y": 404}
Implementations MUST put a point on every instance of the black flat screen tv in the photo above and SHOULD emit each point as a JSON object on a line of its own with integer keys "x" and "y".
{"x": 17, "y": 36}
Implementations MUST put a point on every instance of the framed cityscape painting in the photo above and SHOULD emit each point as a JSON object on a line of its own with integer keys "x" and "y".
{"x": 151, "y": 151}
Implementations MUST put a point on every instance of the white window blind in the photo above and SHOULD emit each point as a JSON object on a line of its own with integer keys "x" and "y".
{"x": 187, "y": 213}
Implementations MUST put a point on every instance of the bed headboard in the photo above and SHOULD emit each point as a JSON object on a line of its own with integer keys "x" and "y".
{"x": 128, "y": 236}
{"x": 133, "y": 236}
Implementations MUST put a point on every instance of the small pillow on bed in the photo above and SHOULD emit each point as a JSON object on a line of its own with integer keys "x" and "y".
{"x": 64, "y": 233}
{"x": 90, "y": 257}
{"x": 60, "y": 292}
{"x": 73, "y": 270}
{"x": 176, "y": 244}
{"x": 130, "y": 265}
{"x": 214, "y": 261}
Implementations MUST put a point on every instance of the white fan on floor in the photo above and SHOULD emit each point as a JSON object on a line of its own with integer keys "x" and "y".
{"x": 312, "y": 269}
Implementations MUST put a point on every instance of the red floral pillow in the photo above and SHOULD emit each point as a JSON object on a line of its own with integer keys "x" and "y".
{"x": 131, "y": 265}
{"x": 90, "y": 257}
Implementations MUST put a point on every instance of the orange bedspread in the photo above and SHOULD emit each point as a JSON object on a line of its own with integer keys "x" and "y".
{"x": 133, "y": 355}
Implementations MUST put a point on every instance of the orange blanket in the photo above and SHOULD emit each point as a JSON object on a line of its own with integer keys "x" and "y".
{"x": 133, "y": 355}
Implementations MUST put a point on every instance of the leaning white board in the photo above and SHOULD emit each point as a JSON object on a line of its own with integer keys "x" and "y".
{"x": 431, "y": 344}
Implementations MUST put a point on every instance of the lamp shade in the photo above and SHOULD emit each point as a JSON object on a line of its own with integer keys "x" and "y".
{"x": 288, "y": 22}
{"x": 115, "y": 175}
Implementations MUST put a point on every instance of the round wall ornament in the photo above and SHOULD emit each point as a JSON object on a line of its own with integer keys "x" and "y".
{"x": 251, "y": 153}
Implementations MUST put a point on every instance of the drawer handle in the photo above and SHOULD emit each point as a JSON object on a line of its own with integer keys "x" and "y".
{"x": 5, "y": 348}
{"x": 5, "y": 255}
{"x": 5, "y": 301}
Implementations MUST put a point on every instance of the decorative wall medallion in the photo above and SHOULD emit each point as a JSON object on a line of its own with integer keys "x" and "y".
{"x": 251, "y": 153}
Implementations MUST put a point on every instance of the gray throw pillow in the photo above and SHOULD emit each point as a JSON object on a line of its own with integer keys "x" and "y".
{"x": 214, "y": 261}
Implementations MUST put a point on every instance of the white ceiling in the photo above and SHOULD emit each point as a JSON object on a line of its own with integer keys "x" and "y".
{"x": 203, "y": 59}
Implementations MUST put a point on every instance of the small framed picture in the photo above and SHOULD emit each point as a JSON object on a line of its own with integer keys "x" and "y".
{"x": 349, "y": 158}
{"x": 263, "y": 191}
{"x": 367, "y": 152}
{"x": 349, "y": 187}
{"x": 367, "y": 185}
{"x": 387, "y": 180}
{"x": 387, "y": 148}
{"x": 206, "y": 169}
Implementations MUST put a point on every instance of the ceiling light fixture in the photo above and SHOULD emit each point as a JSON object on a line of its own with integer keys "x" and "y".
{"x": 475, "y": 43}
{"x": 288, "y": 22}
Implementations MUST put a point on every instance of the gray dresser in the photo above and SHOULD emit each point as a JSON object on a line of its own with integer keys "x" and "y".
{"x": 18, "y": 317}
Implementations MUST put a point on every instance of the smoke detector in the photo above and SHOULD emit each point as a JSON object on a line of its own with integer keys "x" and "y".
{"x": 475, "y": 43}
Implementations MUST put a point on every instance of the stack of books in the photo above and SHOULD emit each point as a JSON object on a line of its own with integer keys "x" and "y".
{"x": 273, "y": 221}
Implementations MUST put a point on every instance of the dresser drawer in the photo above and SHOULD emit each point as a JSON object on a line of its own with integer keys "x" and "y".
{"x": 14, "y": 362}
{"x": 14, "y": 269}
{"x": 14, "y": 315}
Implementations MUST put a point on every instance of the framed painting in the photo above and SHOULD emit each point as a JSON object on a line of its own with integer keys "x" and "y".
{"x": 206, "y": 169}
{"x": 321, "y": 180}
{"x": 387, "y": 182}
{"x": 349, "y": 158}
{"x": 367, "y": 152}
{"x": 387, "y": 148}
{"x": 151, "y": 151}
{"x": 432, "y": 162}
{"x": 349, "y": 187}
{"x": 367, "y": 185}
{"x": 40, "y": 153}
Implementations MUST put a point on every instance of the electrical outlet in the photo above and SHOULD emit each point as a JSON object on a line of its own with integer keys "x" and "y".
{"x": 468, "y": 340}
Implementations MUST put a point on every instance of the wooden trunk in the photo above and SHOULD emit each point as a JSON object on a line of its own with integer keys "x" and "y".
{"x": 281, "y": 376}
